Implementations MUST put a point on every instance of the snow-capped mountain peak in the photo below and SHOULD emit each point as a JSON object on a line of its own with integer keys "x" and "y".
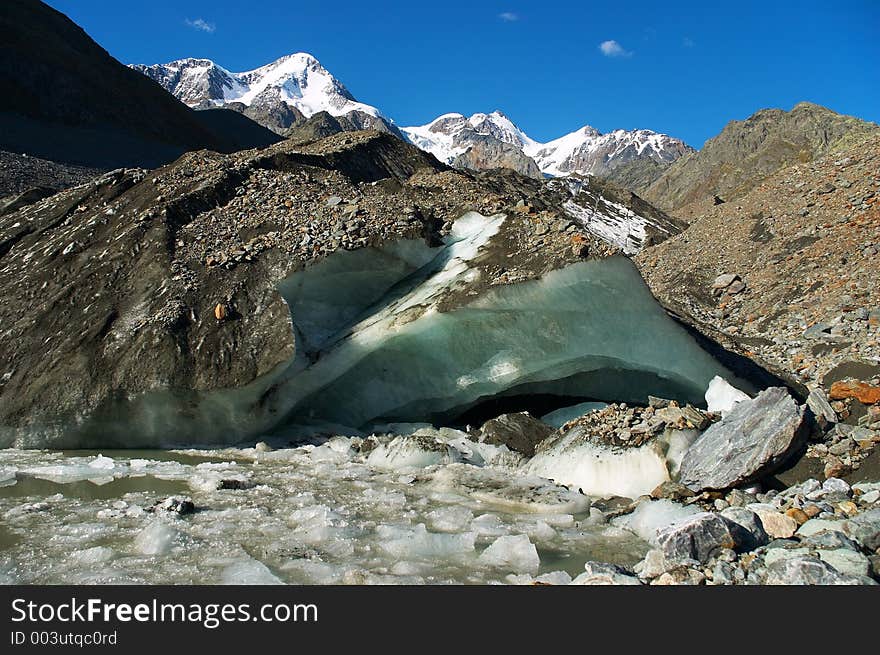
{"x": 585, "y": 150}
{"x": 450, "y": 135}
{"x": 297, "y": 79}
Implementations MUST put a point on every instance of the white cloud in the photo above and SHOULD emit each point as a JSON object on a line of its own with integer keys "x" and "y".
{"x": 201, "y": 24}
{"x": 613, "y": 49}
{"x": 508, "y": 16}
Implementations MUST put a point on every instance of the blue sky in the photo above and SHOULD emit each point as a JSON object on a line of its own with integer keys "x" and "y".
{"x": 684, "y": 68}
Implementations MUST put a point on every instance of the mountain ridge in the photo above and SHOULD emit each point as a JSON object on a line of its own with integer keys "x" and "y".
{"x": 284, "y": 94}
{"x": 746, "y": 151}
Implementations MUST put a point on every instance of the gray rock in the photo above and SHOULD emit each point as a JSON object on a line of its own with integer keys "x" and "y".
{"x": 695, "y": 537}
{"x": 655, "y": 564}
{"x": 864, "y": 528}
{"x": 600, "y": 573}
{"x": 723, "y": 574}
{"x": 724, "y": 280}
{"x": 836, "y": 485}
{"x": 748, "y": 443}
{"x": 747, "y": 528}
{"x": 821, "y": 408}
{"x": 519, "y": 432}
{"x": 815, "y": 526}
{"x": 846, "y": 561}
{"x": 805, "y": 570}
{"x": 829, "y": 540}
{"x": 681, "y": 576}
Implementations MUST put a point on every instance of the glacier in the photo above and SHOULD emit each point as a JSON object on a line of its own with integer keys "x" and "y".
{"x": 440, "y": 342}
{"x": 409, "y": 332}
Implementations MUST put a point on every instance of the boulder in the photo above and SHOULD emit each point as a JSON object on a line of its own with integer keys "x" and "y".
{"x": 748, "y": 443}
{"x": 821, "y": 408}
{"x": 747, "y": 528}
{"x": 600, "y": 573}
{"x": 681, "y": 576}
{"x": 519, "y": 432}
{"x": 696, "y": 537}
{"x": 776, "y": 524}
{"x": 864, "y": 528}
{"x": 805, "y": 570}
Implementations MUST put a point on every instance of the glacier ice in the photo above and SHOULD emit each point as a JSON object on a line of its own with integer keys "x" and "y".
{"x": 600, "y": 471}
{"x": 721, "y": 396}
{"x": 156, "y": 539}
{"x": 431, "y": 350}
{"x": 513, "y": 552}
{"x": 407, "y": 332}
{"x": 651, "y": 515}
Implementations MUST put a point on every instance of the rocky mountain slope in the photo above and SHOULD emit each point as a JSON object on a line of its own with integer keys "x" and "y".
{"x": 20, "y": 173}
{"x": 67, "y": 100}
{"x": 280, "y": 95}
{"x": 787, "y": 272}
{"x": 745, "y": 152}
{"x": 493, "y": 139}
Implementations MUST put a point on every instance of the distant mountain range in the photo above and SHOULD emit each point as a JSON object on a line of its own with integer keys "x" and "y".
{"x": 288, "y": 93}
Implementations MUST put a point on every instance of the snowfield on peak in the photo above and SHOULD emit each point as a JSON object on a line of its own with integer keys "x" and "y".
{"x": 479, "y": 141}
{"x": 298, "y": 79}
{"x": 585, "y": 151}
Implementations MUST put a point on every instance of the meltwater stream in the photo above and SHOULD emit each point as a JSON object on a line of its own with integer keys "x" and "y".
{"x": 308, "y": 515}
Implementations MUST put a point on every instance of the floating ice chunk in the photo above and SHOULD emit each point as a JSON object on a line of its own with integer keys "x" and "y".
{"x": 101, "y": 462}
{"x": 516, "y": 493}
{"x": 600, "y": 471}
{"x": 403, "y": 429}
{"x": 539, "y": 531}
{"x": 249, "y": 572}
{"x": 513, "y": 552}
{"x": 554, "y": 577}
{"x": 411, "y": 452}
{"x": 156, "y": 539}
{"x": 95, "y": 555}
{"x": 385, "y": 497}
{"x": 451, "y": 518}
{"x": 563, "y": 415}
{"x": 721, "y": 396}
{"x": 468, "y": 451}
{"x": 316, "y": 524}
{"x": 314, "y": 572}
{"x": 329, "y": 453}
{"x": 407, "y": 568}
{"x": 7, "y": 476}
{"x": 651, "y": 515}
{"x": 100, "y": 470}
{"x": 488, "y": 525}
{"x": 416, "y": 543}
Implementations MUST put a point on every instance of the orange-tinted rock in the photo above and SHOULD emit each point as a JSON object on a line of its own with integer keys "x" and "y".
{"x": 862, "y": 391}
